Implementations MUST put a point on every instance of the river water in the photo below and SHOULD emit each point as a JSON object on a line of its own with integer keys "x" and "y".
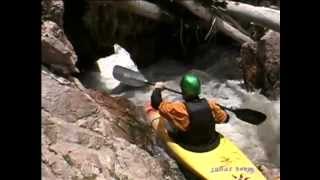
{"x": 221, "y": 78}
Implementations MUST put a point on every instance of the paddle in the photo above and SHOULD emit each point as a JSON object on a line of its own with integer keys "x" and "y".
{"x": 136, "y": 79}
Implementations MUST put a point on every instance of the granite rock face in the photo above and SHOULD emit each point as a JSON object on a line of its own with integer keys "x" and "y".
{"x": 260, "y": 64}
{"x": 83, "y": 139}
{"x": 57, "y": 51}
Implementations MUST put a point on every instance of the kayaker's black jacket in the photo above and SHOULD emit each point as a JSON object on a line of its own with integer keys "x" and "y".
{"x": 199, "y": 130}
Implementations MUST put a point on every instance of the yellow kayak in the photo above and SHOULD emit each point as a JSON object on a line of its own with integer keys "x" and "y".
{"x": 224, "y": 162}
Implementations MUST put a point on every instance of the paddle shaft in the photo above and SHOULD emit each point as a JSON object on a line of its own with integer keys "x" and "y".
{"x": 132, "y": 78}
{"x": 172, "y": 90}
{"x": 258, "y": 116}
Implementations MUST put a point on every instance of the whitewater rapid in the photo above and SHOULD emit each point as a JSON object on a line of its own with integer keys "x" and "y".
{"x": 221, "y": 78}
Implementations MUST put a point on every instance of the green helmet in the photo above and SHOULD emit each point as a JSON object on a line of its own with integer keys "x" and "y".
{"x": 190, "y": 85}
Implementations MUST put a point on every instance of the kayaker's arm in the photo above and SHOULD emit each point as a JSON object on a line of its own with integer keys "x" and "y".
{"x": 176, "y": 113}
{"x": 221, "y": 116}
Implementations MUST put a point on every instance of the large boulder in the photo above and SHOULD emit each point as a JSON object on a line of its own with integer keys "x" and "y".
{"x": 57, "y": 51}
{"x": 269, "y": 53}
{"x": 270, "y": 172}
{"x": 89, "y": 135}
{"x": 53, "y": 10}
{"x": 260, "y": 64}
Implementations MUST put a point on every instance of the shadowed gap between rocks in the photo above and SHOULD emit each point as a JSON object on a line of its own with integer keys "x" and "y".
{"x": 93, "y": 29}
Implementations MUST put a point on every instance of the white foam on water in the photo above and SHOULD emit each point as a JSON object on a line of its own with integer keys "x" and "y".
{"x": 221, "y": 80}
{"x": 120, "y": 57}
{"x": 260, "y": 143}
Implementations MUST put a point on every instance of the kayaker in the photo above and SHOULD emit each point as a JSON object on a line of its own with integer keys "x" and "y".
{"x": 191, "y": 122}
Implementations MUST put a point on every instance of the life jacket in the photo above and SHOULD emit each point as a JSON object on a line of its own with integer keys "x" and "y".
{"x": 201, "y": 134}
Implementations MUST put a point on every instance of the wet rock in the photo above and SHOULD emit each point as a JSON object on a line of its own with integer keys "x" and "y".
{"x": 269, "y": 53}
{"x": 53, "y": 10}
{"x": 251, "y": 70}
{"x": 46, "y": 172}
{"x": 125, "y": 115}
{"x": 127, "y": 165}
{"x": 269, "y": 172}
{"x": 260, "y": 64}
{"x": 57, "y": 51}
{"x": 82, "y": 139}
{"x": 75, "y": 106}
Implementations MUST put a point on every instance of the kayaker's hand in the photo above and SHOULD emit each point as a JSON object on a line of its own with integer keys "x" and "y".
{"x": 159, "y": 85}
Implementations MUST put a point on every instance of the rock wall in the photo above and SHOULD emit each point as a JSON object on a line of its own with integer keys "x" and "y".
{"x": 57, "y": 51}
{"x": 87, "y": 134}
{"x": 86, "y": 139}
{"x": 260, "y": 64}
{"x": 53, "y": 10}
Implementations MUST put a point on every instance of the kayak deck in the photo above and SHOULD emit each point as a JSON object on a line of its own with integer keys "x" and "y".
{"x": 222, "y": 163}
